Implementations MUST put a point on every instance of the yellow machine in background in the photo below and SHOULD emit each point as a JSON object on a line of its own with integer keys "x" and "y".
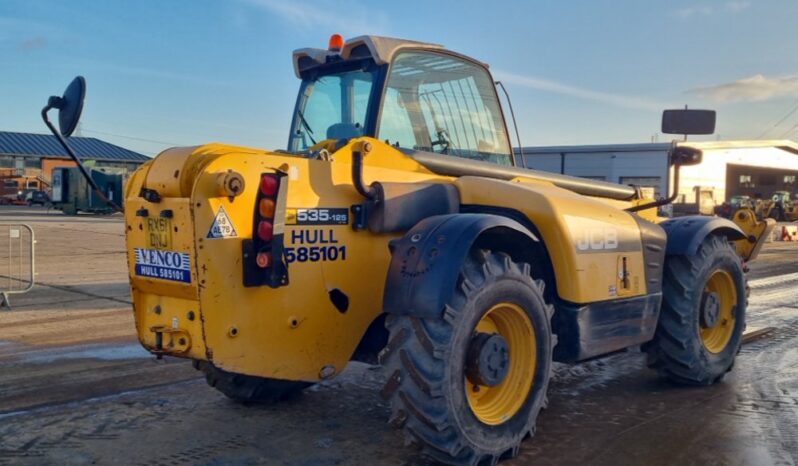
{"x": 781, "y": 206}
{"x": 397, "y": 225}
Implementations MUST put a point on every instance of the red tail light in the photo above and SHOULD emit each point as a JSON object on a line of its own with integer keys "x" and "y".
{"x": 269, "y": 185}
{"x": 263, "y": 254}
{"x": 265, "y": 230}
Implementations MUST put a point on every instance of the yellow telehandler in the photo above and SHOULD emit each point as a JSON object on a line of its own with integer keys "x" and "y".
{"x": 399, "y": 227}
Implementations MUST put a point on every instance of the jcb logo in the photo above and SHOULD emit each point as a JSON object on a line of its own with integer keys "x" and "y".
{"x": 597, "y": 239}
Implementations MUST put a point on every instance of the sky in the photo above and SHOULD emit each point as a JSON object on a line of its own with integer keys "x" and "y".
{"x": 162, "y": 73}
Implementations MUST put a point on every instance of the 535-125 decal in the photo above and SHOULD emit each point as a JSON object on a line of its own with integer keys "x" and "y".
{"x": 317, "y": 216}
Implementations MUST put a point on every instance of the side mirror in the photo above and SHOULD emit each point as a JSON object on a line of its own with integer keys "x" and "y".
{"x": 688, "y": 121}
{"x": 69, "y": 106}
{"x": 682, "y": 156}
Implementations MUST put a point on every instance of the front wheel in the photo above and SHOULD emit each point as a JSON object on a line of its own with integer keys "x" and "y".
{"x": 467, "y": 386}
{"x": 702, "y": 318}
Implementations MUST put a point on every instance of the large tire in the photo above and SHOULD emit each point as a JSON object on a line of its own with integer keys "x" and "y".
{"x": 425, "y": 363}
{"x": 248, "y": 388}
{"x": 690, "y": 346}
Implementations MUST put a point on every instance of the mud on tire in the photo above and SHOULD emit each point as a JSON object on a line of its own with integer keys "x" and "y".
{"x": 248, "y": 388}
{"x": 425, "y": 357}
{"x": 678, "y": 351}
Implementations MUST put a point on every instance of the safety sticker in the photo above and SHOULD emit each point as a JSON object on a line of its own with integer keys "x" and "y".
{"x": 163, "y": 264}
{"x": 222, "y": 226}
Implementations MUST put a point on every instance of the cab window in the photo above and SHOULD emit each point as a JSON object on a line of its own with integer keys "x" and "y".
{"x": 396, "y": 126}
{"x": 439, "y": 103}
{"x": 332, "y": 106}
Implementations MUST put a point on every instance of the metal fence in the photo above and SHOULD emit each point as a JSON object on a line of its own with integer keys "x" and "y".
{"x": 16, "y": 260}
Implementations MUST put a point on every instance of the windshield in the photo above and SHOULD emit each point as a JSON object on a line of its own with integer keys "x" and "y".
{"x": 331, "y": 106}
{"x": 440, "y": 103}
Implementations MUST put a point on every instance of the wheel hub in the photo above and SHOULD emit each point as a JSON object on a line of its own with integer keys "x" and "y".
{"x": 487, "y": 359}
{"x": 710, "y": 309}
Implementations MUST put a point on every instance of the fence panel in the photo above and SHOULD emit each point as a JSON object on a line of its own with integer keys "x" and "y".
{"x": 17, "y": 270}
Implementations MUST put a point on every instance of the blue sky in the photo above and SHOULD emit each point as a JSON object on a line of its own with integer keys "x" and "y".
{"x": 163, "y": 73}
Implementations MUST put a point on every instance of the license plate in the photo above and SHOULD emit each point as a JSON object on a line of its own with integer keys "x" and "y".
{"x": 159, "y": 233}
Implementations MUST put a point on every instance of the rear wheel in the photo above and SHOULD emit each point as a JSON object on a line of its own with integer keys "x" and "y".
{"x": 703, "y": 315}
{"x": 248, "y": 388}
{"x": 468, "y": 386}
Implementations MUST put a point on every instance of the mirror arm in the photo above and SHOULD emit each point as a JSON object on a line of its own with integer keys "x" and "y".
{"x": 662, "y": 202}
{"x": 55, "y": 102}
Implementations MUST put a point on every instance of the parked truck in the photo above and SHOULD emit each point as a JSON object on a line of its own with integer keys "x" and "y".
{"x": 71, "y": 193}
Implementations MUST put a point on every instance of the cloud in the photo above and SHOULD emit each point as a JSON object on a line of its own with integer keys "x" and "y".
{"x": 695, "y": 10}
{"x": 346, "y": 18}
{"x": 738, "y": 6}
{"x": 33, "y": 44}
{"x": 622, "y": 101}
{"x": 105, "y": 67}
{"x": 753, "y": 89}
{"x": 702, "y": 9}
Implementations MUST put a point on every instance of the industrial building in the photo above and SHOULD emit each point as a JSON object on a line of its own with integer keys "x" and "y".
{"x": 728, "y": 168}
{"x": 27, "y": 160}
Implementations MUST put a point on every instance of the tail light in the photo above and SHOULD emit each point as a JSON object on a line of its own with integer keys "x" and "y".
{"x": 265, "y": 230}
{"x": 263, "y": 254}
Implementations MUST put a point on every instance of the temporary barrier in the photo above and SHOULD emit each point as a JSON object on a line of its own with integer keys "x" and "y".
{"x": 789, "y": 233}
{"x": 16, "y": 260}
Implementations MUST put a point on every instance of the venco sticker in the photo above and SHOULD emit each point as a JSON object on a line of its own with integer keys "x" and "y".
{"x": 166, "y": 265}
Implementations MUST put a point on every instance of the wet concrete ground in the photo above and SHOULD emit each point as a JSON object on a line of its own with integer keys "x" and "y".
{"x": 75, "y": 388}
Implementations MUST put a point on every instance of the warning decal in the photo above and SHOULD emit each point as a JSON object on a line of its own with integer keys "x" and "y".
{"x": 222, "y": 227}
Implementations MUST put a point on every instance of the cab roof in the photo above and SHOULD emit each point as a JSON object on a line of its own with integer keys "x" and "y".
{"x": 378, "y": 48}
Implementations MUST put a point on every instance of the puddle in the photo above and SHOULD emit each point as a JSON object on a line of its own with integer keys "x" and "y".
{"x": 95, "y": 351}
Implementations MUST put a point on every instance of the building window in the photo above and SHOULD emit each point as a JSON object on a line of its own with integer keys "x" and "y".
{"x": 33, "y": 162}
{"x": 10, "y": 183}
{"x": 6, "y": 161}
{"x": 746, "y": 182}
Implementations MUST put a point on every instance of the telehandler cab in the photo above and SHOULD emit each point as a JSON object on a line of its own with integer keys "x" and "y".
{"x": 397, "y": 226}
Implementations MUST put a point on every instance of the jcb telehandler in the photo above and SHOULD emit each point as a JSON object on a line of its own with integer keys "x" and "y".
{"x": 398, "y": 226}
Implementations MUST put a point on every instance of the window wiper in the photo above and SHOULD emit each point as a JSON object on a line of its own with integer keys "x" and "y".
{"x": 306, "y": 125}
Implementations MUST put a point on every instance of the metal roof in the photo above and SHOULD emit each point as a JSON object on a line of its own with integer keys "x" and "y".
{"x": 600, "y": 148}
{"x": 45, "y": 145}
{"x": 659, "y": 147}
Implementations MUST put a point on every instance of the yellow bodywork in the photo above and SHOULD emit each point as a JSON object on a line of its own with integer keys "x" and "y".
{"x": 295, "y": 332}
{"x": 757, "y": 232}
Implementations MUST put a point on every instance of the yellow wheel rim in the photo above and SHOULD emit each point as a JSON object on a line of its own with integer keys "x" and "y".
{"x": 494, "y": 405}
{"x": 716, "y": 336}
